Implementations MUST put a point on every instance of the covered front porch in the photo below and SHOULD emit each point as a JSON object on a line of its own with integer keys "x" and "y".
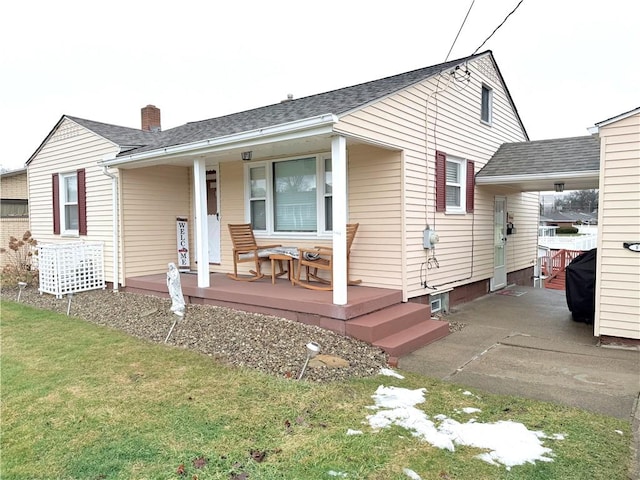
{"x": 374, "y": 315}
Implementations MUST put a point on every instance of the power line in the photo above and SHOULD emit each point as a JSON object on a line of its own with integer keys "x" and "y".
{"x": 505, "y": 19}
{"x": 463, "y": 22}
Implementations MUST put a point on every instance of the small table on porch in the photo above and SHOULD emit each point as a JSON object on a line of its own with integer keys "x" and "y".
{"x": 281, "y": 257}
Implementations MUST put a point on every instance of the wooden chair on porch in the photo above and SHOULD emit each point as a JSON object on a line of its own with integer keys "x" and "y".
{"x": 321, "y": 259}
{"x": 245, "y": 249}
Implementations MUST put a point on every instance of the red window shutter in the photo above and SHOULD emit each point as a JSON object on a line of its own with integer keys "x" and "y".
{"x": 82, "y": 202}
{"x": 471, "y": 177}
{"x": 441, "y": 182}
{"x": 55, "y": 201}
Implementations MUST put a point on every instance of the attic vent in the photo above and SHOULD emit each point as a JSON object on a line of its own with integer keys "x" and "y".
{"x": 288, "y": 99}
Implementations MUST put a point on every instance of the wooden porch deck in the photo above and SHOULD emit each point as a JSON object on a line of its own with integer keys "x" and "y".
{"x": 375, "y": 315}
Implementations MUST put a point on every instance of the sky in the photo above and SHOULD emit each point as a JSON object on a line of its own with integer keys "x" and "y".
{"x": 567, "y": 63}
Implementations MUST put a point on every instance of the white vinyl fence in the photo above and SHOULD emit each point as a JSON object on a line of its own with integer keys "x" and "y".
{"x": 71, "y": 267}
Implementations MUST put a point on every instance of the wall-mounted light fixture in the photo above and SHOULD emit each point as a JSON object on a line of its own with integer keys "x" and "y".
{"x": 558, "y": 186}
{"x": 246, "y": 156}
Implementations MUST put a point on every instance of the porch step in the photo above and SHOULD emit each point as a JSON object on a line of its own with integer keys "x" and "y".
{"x": 413, "y": 338}
{"x": 387, "y": 321}
{"x": 557, "y": 283}
{"x": 398, "y": 329}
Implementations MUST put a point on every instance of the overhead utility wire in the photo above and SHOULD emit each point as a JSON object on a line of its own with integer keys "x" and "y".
{"x": 505, "y": 19}
{"x": 458, "y": 34}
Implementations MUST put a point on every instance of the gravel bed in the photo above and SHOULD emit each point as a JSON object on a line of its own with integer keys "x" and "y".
{"x": 270, "y": 344}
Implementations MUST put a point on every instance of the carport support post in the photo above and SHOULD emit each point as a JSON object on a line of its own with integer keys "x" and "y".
{"x": 339, "y": 212}
{"x": 202, "y": 239}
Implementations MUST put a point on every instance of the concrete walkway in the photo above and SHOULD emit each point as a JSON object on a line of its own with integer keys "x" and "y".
{"x": 526, "y": 344}
{"x": 523, "y": 342}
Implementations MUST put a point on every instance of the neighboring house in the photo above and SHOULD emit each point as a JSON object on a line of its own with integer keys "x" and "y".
{"x": 14, "y": 207}
{"x": 569, "y": 219}
{"x": 618, "y": 268}
{"x": 397, "y": 155}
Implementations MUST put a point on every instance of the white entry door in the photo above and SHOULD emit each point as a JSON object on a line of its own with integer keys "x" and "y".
{"x": 213, "y": 216}
{"x": 499, "y": 279}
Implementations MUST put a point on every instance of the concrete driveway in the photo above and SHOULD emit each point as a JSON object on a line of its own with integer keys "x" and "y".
{"x": 523, "y": 342}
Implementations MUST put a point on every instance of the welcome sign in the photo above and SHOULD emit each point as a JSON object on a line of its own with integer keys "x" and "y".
{"x": 182, "y": 225}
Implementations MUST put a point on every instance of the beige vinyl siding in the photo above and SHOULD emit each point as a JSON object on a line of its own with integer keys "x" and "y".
{"x": 375, "y": 202}
{"x": 231, "y": 185}
{"x": 70, "y": 148}
{"x": 420, "y": 122}
{"x": 618, "y": 269}
{"x": 153, "y": 198}
{"x": 522, "y": 246}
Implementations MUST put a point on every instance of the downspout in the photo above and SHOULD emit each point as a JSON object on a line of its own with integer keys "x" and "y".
{"x": 114, "y": 194}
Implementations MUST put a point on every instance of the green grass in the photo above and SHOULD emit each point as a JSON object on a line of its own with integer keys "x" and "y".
{"x": 84, "y": 402}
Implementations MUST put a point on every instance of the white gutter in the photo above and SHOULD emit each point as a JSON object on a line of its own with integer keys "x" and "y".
{"x": 114, "y": 194}
{"x": 505, "y": 179}
{"x": 299, "y": 128}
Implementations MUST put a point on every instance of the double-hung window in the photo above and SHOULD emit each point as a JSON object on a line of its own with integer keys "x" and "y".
{"x": 69, "y": 203}
{"x": 455, "y": 193}
{"x": 455, "y": 184}
{"x": 292, "y": 196}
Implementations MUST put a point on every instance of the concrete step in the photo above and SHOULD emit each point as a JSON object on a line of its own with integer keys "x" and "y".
{"x": 412, "y": 338}
{"x": 387, "y": 321}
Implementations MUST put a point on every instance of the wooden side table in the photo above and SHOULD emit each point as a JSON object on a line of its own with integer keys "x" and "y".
{"x": 279, "y": 257}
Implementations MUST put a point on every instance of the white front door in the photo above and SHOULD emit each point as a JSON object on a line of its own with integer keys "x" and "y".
{"x": 499, "y": 279}
{"x": 213, "y": 216}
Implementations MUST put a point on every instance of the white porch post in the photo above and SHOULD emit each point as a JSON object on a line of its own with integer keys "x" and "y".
{"x": 202, "y": 238}
{"x": 339, "y": 210}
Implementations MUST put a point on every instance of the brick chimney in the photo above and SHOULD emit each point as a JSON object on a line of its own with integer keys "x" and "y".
{"x": 150, "y": 118}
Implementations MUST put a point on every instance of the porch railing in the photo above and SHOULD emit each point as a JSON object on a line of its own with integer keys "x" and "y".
{"x": 556, "y": 263}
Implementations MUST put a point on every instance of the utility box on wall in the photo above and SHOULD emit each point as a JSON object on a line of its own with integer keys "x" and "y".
{"x": 430, "y": 238}
{"x": 70, "y": 267}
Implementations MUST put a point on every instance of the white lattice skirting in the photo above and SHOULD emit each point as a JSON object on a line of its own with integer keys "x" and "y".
{"x": 70, "y": 268}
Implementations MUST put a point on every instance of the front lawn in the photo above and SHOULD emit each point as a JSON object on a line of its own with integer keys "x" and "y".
{"x": 80, "y": 401}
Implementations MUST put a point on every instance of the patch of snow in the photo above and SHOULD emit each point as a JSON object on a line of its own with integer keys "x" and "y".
{"x": 471, "y": 410}
{"x": 390, "y": 373}
{"x": 411, "y": 474}
{"x": 333, "y": 473}
{"x": 354, "y": 432}
{"x": 509, "y": 443}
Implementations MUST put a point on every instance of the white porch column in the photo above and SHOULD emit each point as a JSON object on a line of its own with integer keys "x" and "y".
{"x": 202, "y": 237}
{"x": 339, "y": 177}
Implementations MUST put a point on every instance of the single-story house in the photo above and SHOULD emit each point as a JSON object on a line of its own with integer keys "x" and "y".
{"x": 396, "y": 155}
{"x": 14, "y": 207}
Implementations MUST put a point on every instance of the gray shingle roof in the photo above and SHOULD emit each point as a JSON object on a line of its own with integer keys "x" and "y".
{"x": 122, "y": 136}
{"x": 574, "y": 154}
{"x": 336, "y": 102}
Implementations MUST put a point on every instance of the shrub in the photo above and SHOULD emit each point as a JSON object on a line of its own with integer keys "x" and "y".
{"x": 20, "y": 266}
{"x": 566, "y": 230}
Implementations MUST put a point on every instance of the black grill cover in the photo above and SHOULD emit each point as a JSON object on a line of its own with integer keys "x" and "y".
{"x": 580, "y": 286}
